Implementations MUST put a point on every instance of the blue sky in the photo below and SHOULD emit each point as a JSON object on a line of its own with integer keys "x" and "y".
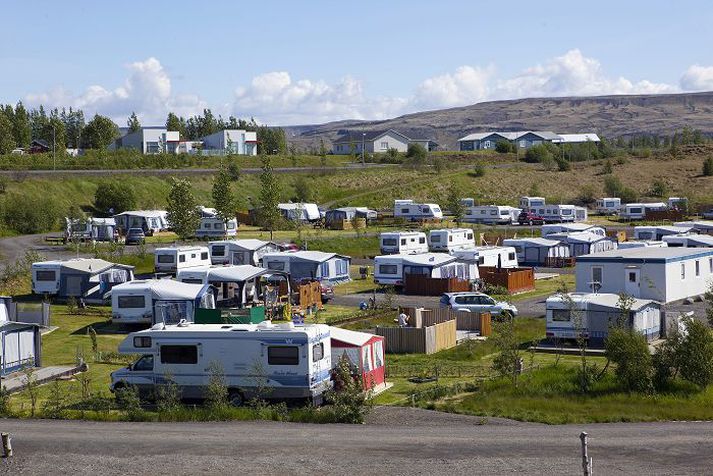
{"x": 305, "y": 61}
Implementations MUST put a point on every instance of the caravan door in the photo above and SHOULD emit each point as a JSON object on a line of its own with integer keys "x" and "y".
{"x": 632, "y": 280}
{"x": 74, "y": 286}
{"x": 532, "y": 254}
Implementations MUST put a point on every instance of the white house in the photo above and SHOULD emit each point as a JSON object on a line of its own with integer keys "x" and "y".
{"x": 149, "y": 140}
{"x": 661, "y": 274}
{"x": 232, "y": 141}
{"x": 377, "y": 141}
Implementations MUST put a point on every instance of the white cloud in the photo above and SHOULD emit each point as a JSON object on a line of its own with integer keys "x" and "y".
{"x": 697, "y": 78}
{"x": 467, "y": 85}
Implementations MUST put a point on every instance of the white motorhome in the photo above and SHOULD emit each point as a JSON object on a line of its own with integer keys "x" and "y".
{"x": 451, "y": 239}
{"x": 555, "y": 229}
{"x": 492, "y": 214}
{"x": 637, "y": 211}
{"x": 392, "y": 269}
{"x": 505, "y": 256}
{"x": 592, "y": 315}
{"x": 249, "y": 251}
{"x": 608, "y": 206}
{"x": 531, "y": 202}
{"x": 308, "y": 212}
{"x": 174, "y": 258}
{"x": 294, "y": 361}
{"x": 403, "y": 242}
{"x": 213, "y": 226}
{"x": 409, "y": 210}
{"x": 148, "y": 301}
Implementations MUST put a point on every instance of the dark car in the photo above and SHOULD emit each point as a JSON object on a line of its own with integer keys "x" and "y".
{"x": 529, "y": 218}
{"x": 135, "y": 236}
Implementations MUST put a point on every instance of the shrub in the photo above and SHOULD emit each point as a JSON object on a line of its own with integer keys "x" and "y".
{"x": 696, "y": 353}
{"x": 504, "y": 147}
{"x": 128, "y": 400}
{"x": 479, "y": 170}
{"x": 708, "y": 167}
{"x": 5, "y": 408}
{"x": 28, "y": 215}
{"x": 507, "y": 362}
{"x": 563, "y": 165}
{"x": 54, "y": 405}
{"x": 659, "y": 188}
{"x": 350, "y": 404}
{"x": 607, "y": 168}
{"x": 416, "y": 155}
{"x": 628, "y": 195}
{"x": 630, "y": 352}
{"x": 612, "y": 186}
{"x": 217, "y": 390}
{"x": 542, "y": 153}
{"x": 169, "y": 396}
{"x": 234, "y": 169}
{"x": 114, "y": 197}
{"x": 587, "y": 195}
{"x": 666, "y": 361}
{"x": 391, "y": 156}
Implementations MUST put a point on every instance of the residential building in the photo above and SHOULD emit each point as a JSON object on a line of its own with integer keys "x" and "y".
{"x": 232, "y": 141}
{"x": 522, "y": 139}
{"x": 149, "y": 140}
{"x": 377, "y": 141}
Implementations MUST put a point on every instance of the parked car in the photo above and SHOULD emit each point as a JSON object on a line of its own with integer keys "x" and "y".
{"x": 135, "y": 236}
{"x": 529, "y": 218}
{"x": 477, "y": 302}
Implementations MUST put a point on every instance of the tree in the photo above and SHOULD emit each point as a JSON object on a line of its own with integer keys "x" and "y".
{"x": 99, "y": 132}
{"x": 268, "y": 213}
{"x": 504, "y": 146}
{"x": 696, "y": 353}
{"x": 175, "y": 123}
{"x": 73, "y": 125}
{"x": 708, "y": 167}
{"x": 7, "y": 139}
{"x": 53, "y": 132}
{"x": 322, "y": 154}
{"x": 629, "y": 350}
{"x": 507, "y": 363}
{"x": 303, "y": 193}
{"x": 659, "y": 188}
{"x": 183, "y": 214}
{"x": 133, "y": 123}
{"x": 114, "y": 197}
{"x": 542, "y": 153}
{"x": 223, "y": 198}
{"x": 454, "y": 204}
{"x": 416, "y": 155}
{"x": 21, "y": 126}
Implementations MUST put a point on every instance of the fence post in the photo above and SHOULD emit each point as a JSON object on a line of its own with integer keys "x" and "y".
{"x": 586, "y": 460}
{"x": 6, "y": 445}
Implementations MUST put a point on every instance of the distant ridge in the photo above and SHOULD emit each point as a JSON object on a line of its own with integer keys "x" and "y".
{"x": 608, "y": 116}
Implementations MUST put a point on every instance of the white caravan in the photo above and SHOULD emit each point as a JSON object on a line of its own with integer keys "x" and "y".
{"x": 608, "y": 206}
{"x": 249, "y": 251}
{"x": 688, "y": 241}
{"x": 656, "y": 233}
{"x": 554, "y": 229}
{"x": 213, "y": 226}
{"x": 492, "y": 214}
{"x": 531, "y": 202}
{"x": 308, "y": 212}
{"x": 637, "y": 211}
{"x": 403, "y": 242}
{"x": 451, "y": 239}
{"x": 392, "y": 269}
{"x": 148, "y": 301}
{"x": 281, "y": 360}
{"x": 641, "y": 244}
{"x": 505, "y": 256}
{"x": 409, "y": 210}
{"x": 151, "y": 221}
{"x": 174, "y": 258}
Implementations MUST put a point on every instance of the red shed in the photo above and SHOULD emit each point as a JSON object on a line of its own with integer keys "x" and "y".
{"x": 365, "y": 351}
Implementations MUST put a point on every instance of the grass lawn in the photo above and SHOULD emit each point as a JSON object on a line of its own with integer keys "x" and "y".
{"x": 546, "y": 287}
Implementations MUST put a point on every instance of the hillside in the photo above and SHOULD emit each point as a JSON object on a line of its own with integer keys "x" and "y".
{"x": 610, "y": 116}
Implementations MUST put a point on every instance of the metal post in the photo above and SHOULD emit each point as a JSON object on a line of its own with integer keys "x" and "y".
{"x": 363, "y": 141}
{"x": 586, "y": 460}
{"x": 54, "y": 152}
{"x": 6, "y": 445}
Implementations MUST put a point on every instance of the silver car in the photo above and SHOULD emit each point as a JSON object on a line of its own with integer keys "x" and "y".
{"x": 477, "y": 302}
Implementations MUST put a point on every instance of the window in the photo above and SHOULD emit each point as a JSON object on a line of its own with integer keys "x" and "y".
{"x": 435, "y": 238}
{"x": 597, "y": 274}
{"x": 632, "y": 277}
{"x": 450, "y": 239}
{"x": 560, "y": 315}
{"x": 384, "y": 145}
{"x": 142, "y": 341}
{"x": 494, "y": 212}
{"x": 403, "y": 241}
{"x": 218, "y": 250}
{"x": 486, "y": 144}
{"x": 481, "y": 260}
{"x": 165, "y": 258}
{"x": 144, "y": 364}
{"x": 231, "y": 225}
{"x": 683, "y": 270}
{"x": 179, "y": 354}
{"x": 276, "y": 265}
{"x": 324, "y": 269}
{"x": 206, "y": 225}
{"x": 193, "y": 255}
{"x": 469, "y": 236}
{"x": 698, "y": 268}
{"x": 192, "y": 281}
{"x": 404, "y": 211}
{"x": 131, "y": 302}
{"x": 388, "y": 269}
{"x": 45, "y": 276}
{"x": 152, "y": 148}
{"x": 422, "y": 240}
{"x": 283, "y": 355}
{"x": 317, "y": 352}
{"x": 511, "y": 256}
{"x": 181, "y": 259}
{"x": 636, "y": 210}
{"x": 204, "y": 255}
{"x": 389, "y": 242}
{"x": 217, "y": 226}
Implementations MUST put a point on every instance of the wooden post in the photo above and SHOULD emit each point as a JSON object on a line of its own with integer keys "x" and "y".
{"x": 6, "y": 445}
{"x": 586, "y": 460}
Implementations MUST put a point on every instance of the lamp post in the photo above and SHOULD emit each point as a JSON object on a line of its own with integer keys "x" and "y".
{"x": 363, "y": 141}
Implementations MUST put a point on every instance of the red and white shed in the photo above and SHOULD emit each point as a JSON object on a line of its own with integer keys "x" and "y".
{"x": 365, "y": 351}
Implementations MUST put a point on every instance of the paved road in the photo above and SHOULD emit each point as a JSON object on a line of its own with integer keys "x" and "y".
{"x": 397, "y": 441}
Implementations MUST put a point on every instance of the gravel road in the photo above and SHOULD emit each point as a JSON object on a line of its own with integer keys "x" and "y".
{"x": 396, "y": 441}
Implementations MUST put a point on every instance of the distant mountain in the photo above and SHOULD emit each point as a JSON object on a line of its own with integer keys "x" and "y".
{"x": 609, "y": 116}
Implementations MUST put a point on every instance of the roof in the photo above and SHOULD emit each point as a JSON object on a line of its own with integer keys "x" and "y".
{"x": 181, "y": 248}
{"x": 86, "y": 265}
{"x": 648, "y": 254}
{"x": 579, "y": 237}
{"x": 673, "y": 229}
{"x": 237, "y": 273}
{"x": 142, "y": 213}
{"x": 575, "y": 138}
{"x": 358, "y": 136}
{"x": 603, "y": 299}
{"x": 351, "y": 337}
{"x": 250, "y": 244}
{"x": 166, "y": 289}
{"x": 429, "y": 259}
{"x": 699, "y": 224}
{"x": 706, "y": 240}
{"x": 546, "y": 135}
{"x": 572, "y": 227}
{"x": 315, "y": 256}
{"x": 534, "y": 241}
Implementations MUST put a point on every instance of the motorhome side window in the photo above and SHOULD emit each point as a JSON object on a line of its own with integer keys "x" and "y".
{"x": 283, "y": 355}
{"x": 204, "y": 255}
{"x": 182, "y": 259}
{"x": 560, "y": 315}
{"x": 403, "y": 241}
{"x": 179, "y": 354}
{"x": 388, "y": 269}
{"x": 435, "y": 238}
{"x": 142, "y": 342}
{"x": 131, "y": 302}
{"x": 45, "y": 276}
{"x": 165, "y": 258}
{"x": 317, "y": 352}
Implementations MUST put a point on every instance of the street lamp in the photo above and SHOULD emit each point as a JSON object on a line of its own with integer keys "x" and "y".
{"x": 363, "y": 141}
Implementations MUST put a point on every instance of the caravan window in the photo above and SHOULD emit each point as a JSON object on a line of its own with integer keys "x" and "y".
{"x": 181, "y": 259}
{"x": 179, "y": 354}
{"x": 560, "y": 315}
{"x": 511, "y": 256}
{"x": 481, "y": 260}
{"x": 131, "y": 302}
{"x": 231, "y": 225}
{"x": 435, "y": 238}
{"x": 283, "y": 355}
{"x": 388, "y": 269}
{"x": 493, "y": 212}
{"x": 165, "y": 258}
{"x": 324, "y": 269}
{"x": 276, "y": 265}
{"x": 46, "y": 276}
{"x": 204, "y": 255}
{"x": 317, "y": 352}
{"x": 405, "y": 211}
{"x": 142, "y": 341}
{"x": 469, "y": 236}
{"x": 390, "y": 241}
{"x": 218, "y": 250}
{"x": 403, "y": 241}
{"x": 422, "y": 240}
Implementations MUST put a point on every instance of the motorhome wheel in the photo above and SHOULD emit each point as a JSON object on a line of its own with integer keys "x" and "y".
{"x": 236, "y": 398}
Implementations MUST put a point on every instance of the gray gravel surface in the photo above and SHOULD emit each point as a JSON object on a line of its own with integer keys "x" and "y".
{"x": 403, "y": 442}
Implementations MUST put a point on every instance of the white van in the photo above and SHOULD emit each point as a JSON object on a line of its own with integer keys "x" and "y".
{"x": 171, "y": 259}
{"x": 492, "y": 214}
{"x": 403, "y": 242}
{"x": 488, "y": 256}
{"x": 293, "y": 362}
{"x": 608, "y": 206}
{"x": 451, "y": 239}
{"x": 409, "y": 210}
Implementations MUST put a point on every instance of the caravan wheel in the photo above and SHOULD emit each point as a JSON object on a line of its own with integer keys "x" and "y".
{"x": 235, "y": 398}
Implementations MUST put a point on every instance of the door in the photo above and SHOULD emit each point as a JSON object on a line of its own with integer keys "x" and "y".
{"x": 632, "y": 285}
{"x": 74, "y": 286}
{"x": 532, "y": 255}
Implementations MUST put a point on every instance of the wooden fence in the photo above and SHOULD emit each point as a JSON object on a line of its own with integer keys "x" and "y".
{"x": 465, "y": 321}
{"x": 665, "y": 215}
{"x": 419, "y": 340}
{"x": 559, "y": 262}
{"x": 515, "y": 280}
{"x": 422, "y": 285}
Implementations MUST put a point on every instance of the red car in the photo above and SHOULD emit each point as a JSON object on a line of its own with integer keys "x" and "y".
{"x": 529, "y": 218}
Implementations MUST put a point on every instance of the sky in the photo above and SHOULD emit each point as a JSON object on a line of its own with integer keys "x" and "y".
{"x": 312, "y": 61}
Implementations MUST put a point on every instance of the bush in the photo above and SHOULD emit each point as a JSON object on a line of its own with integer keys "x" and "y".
{"x": 695, "y": 353}
{"x": 630, "y": 352}
{"x": 114, "y": 197}
{"x": 479, "y": 170}
{"x": 504, "y": 147}
{"x": 5, "y": 408}
{"x": 128, "y": 400}
{"x": 28, "y": 215}
{"x": 607, "y": 168}
{"x": 708, "y": 167}
{"x": 587, "y": 195}
{"x": 563, "y": 165}
{"x": 217, "y": 390}
{"x": 391, "y": 156}
{"x": 659, "y": 188}
{"x": 542, "y": 153}
{"x": 416, "y": 155}
{"x": 350, "y": 404}
{"x": 234, "y": 170}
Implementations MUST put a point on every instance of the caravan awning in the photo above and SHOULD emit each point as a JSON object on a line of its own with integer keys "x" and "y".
{"x": 234, "y": 274}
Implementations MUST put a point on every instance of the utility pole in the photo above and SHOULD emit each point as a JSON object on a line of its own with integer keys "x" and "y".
{"x": 363, "y": 141}
{"x": 54, "y": 152}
